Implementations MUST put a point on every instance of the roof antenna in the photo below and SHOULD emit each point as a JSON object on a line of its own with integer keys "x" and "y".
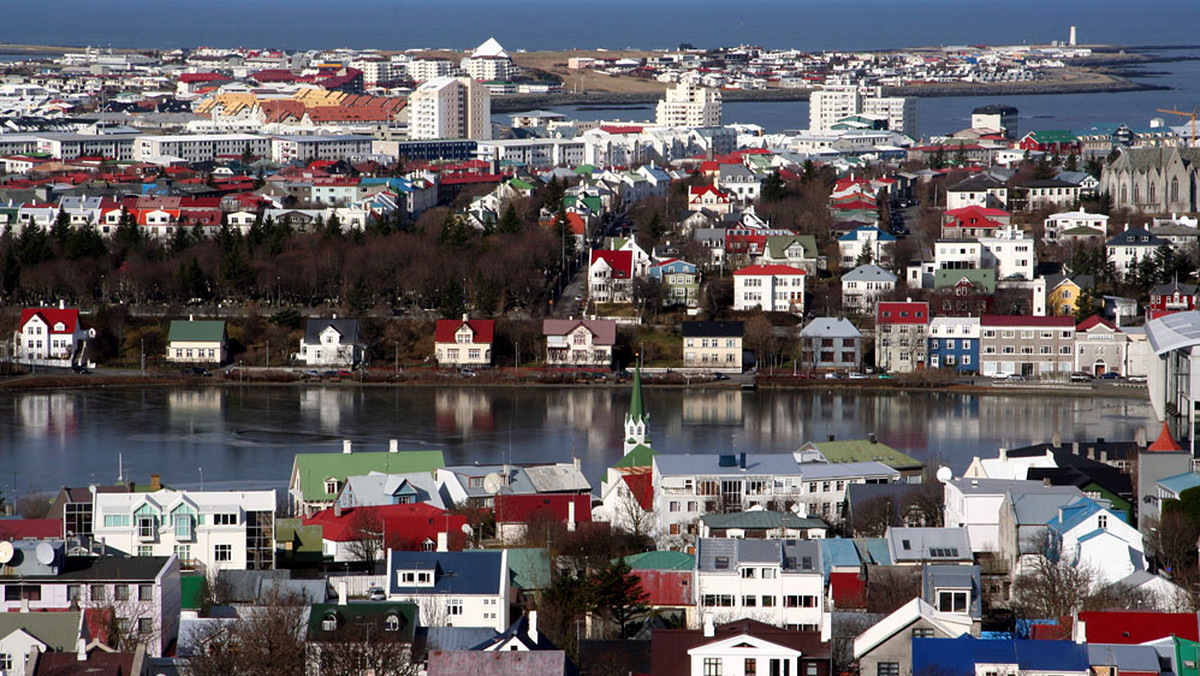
{"x": 120, "y": 468}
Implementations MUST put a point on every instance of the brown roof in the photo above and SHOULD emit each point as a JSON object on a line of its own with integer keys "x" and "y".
{"x": 499, "y": 663}
{"x": 604, "y": 330}
{"x": 669, "y": 647}
{"x": 99, "y": 663}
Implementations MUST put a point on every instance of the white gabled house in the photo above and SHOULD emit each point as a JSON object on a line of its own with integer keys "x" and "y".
{"x": 331, "y": 342}
{"x": 452, "y": 589}
{"x": 51, "y": 336}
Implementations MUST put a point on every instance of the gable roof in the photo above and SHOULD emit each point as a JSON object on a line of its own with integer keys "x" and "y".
{"x": 68, "y": 317}
{"x": 445, "y": 330}
{"x": 542, "y": 506}
{"x": 604, "y": 331}
{"x": 958, "y": 656}
{"x": 347, "y": 328}
{"x": 621, "y": 262}
{"x": 480, "y": 572}
{"x": 1137, "y": 626}
{"x": 729, "y": 329}
{"x": 58, "y": 630}
{"x": 869, "y": 273}
{"x": 314, "y": 468}
{"x": 203, "y": 330}
{"x": 916, "y": 609}
{"x": 831, "y": 327}
{"x": 763, "y": 270}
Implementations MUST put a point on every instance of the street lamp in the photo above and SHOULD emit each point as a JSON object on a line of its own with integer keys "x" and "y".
{"x": 201, "y": 469}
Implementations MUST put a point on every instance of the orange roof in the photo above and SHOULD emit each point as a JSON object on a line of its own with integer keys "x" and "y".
{"x": 1165, "y": 442}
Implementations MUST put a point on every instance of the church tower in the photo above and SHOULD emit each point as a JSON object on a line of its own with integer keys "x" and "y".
{"x": 637, "y": 421}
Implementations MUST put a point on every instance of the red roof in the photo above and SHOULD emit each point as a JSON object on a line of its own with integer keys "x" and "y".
{"x": 978, "y": 211}
{"x": 901, "y": 312}
{"x": 855, "y": 205}
{"x": 574, "y": 221}
{"x": 542, "y": 507}
{"x": 1093, "y": 321}
{"x": 201, "y": 77}
{"x": 699, "y": 191}
{"x": 409, "y": 527}
{"x": 621, "y": 129}
{"x": 621, "y": 262}
{"x": 52, "y": 316}
{"x": 642, "y": 486}
{"x": 483, "y": 329}
{"x": 761, "y": 270}
{"x": 30, "y": 529}
{"x": 849, "y": 589}
{"x": 1022, "y": 320}
{"x": 343, "y": 528}
{"x": 1165, "y": 442}
{"x": 1130, "y": 627}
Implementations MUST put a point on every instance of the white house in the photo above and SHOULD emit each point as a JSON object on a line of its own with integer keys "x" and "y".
{"x": 222, "y": 530}
{"x": 331, "y": 342}
{"x": 1089, "y": 535}
{"x": 465, "y": 342}
{"x": 23, "y": 632}
{"x": 1070, "y": 221}
{"x": 1131, "y": 246}
{"x": 981, "y": 190}
{"x": 579, "y": 342}
{"x": 867, "y": 241}
{"x": 779, "y": 582}
{"x": 862, "y": 285}
{"x": 51, "y": 336}
{"x": 974, "y": 504}
{"x": 773, "y": 288}
{"x": 197, "y": 342}
{"x": 452, "y": 589}
{"x": 1010, "y": 252}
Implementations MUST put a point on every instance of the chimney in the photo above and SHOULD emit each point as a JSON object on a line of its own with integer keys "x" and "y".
{"x": 24, "y": 605}
{"x": 1046, "y": 481}
{"x": 393, "y": 445}
{"x": 466, "y": 317}
{"x": 443, "y": 541}
{"x": 578, "y": 463}
{"x": 1139, "y": 438}
{"x": 871, "y": 437}
{"x": 1091, "y": 452}
{"x": 1056, "y": 440}
{"x": 337, "y": 509}
{"x": 1075, "y": 447}
{"x": 81, "y": 650}
{"x": 335, "y": 315}
{"x": 532, "y": 631}
{"x": 191, "y": 318}
{"x": 709, "y": 629}
{"x": 742, "y": 460}
{"x": 346, "y": 446}
{"x": 62, "y": 304}
{"x": 571, "y": 515}
{"x": 155, "y": 482}
{"x": 343, "y": 590}
{"x": 1003, "y": 454}
{"x": 1104, "y": 456}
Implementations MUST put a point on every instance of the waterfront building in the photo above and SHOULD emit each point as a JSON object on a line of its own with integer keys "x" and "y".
{"x": 771, "y": 288}
{"x": 954, "y": 343}
{"x": 831, "y": 343}
{"x": 318, "y": 478}
{"x": 713, "y": 346}
{"x": 863, "y": 285}
{"x": 51, "y": 336}
{"x": 331, "y": 342}
{"x": 197, "y": 342}
{"x": 901, "y": 332}
{"x": 689, "y": 105}
{"x": 465, "y": 342}
{"x": 579, "y": 342}
{"x": 450, "y": 107}
{"x": 1100, "y": 347}
{"x": 831, "y": 104}
{"x": 1027, "y": 346}
{"x": 490, "y": 63}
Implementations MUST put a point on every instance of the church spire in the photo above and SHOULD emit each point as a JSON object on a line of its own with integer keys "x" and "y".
{"x": 636, "y": 420}
{"x": 636, "y": 408}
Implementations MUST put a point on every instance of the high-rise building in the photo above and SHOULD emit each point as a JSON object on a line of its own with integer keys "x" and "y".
{"x": 689, "y": 105}
{"x": 829, "y": 105}
{"x": 450, "y": 107}
{"x": 489, "y": 62}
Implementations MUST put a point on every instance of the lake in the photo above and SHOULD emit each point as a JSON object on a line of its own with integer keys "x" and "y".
{"x": 246, "y": 437}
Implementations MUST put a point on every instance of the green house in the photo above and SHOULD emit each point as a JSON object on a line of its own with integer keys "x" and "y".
{"x": 194, "y": 341}
{"x": 318, "y": 477}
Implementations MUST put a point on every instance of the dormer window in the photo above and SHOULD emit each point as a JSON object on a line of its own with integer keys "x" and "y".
{"x": 953, "y": 601}
{"x": 331, "y": 485}
{"x": 392, "y": 623}
{"x": 329, "y": 623}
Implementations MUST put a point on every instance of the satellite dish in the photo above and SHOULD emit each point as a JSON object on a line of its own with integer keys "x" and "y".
{"x": 492, "y": 483}
{"x": 45, "y": 553}
{"x": 466, "y": 529}
{"x": 944, "y": 474}
{"x": 6, "y": 552}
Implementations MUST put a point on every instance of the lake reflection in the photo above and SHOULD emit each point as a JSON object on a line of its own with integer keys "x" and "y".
{"x": 245, "y": 437}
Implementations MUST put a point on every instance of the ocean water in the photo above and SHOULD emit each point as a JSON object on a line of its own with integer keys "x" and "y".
{"x": 555, "y": 24}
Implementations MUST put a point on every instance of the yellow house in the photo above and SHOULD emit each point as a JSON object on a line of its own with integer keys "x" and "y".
{"x": 1063, "y": 292}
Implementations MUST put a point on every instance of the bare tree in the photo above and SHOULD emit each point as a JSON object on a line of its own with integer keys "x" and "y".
{"x": 370, "y": 647}
{"x": 1053, "y": 587}
{"x": 872, "y": 518}
{"x": 267, "y": 641}
{"x": 628, "y": 513}
{"x": 366, "y": 535}
{"x": 889, "y": 587}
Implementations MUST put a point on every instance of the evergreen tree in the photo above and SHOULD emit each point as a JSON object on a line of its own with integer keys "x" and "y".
{"x": 655, "y": 228}
{"x": 127, "y": 235}
{"x": 618, "y": 594}
{"x": 60, "y": 232}
{"x": 85, "y": 243}
{"x": 451, "y": 300}
{"x": 773, "y": 187}
{"x": 358, "y": 299}
{"x": 938, "y": 159}
{"x": 510, "y": 222}
{"x": 11, "y": 270}
{"x": 181, "y": 240}
{"x": 1093, "y": 167}
{"x": 333, "y": 227}
{"x": 33, "y": 246}
{"x": 1071, "y": 163}
{"x": 960, "y": 156}
{"x": 192, "y": 280}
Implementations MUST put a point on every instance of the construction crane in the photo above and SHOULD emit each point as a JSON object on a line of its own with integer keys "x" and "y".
{"x": 1183, "y": 114}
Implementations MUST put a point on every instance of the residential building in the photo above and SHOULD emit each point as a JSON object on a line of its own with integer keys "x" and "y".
{"x": 470, "y": 484}
{"x": 1074, "y": 224}
{"x": 50, "y": 336}
{"x": 452, "y": 589}
{"x": 515, "y": 514}
{"x": 771, "y": 288}
{"x": 715, "y": 346}
{"x": 1173, "y": 297}
{"x": 831, "y": 104}
{"x": 1051, "y": 142}
{"x": 680, "y": 282}
{"x": 318, "y": 478}
{"x": 464, "y": 342}
{"x": 975, "y": 504}
{"x": 450, "y": 107}
{"x": 579, "y": 342}
{"x": 954, "y": 343}
{"x": 1133, "y": 245}
{"x": 996, "y": 117}
{"x": 1086, "y": 534}
{"x": 1064, "y": 293}
{"x": 1010, "y": 252}
{"x": 901, "y": 332}
{"x": 762, "y": 525}
{"x": 709, "y": 198}
{"x": 778, "y": 582}
{"x": 40, "y": 632}
{"x": 610, "y": 276}
{"x": 972, "y": 221}
{"x": 357, "y": 533}
{"x": 863, "y": 285}
{"x": 208, "y": 530}
{"x": 197, "y": 342}
{"x": 828, "y": 343}
{"x": 331, "y": 342}
{"x": 981, "y": 190}
{"x": 919, "y": 546}
{"x": 306, "y": 148}
{"x": 1100, "y": 347}
{"x": 1050, "y": 192}
{"x": 798, "y": 251}
{"x": 490, "y": 63}
{"x": 689, "y": 105}
{"x": 740, "y": 181}
{"x": 739, "y": 648}
{"x": 355, "y": 621}
{"x": 886, "y": 646}
{"x": 1154, "y": 180}
{"x": 1007, "y": 656}
{"x": 201, "y": 147}
{"x": 865, "y": 244}
{"x": 870, "y": 449}
{"x": 1027, "y": 346}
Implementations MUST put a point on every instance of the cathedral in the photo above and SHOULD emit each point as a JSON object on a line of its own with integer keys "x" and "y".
{"x": 1154, "y": 180}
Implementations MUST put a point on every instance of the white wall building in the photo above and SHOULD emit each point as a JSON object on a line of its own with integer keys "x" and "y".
{"x": 450, "y": 107}
{"x": 689, "y": 105}
{"x": 1057, "y": 224}
{"x": 223, "y": 530}
{"x": 489, "y": 62}
{"x": 779, "y": 582}
{"x": 452, "y": 589}
{"x": 319, "y": 147}
{"x": 202, "y": 147}
{"x": 1010, "y": 252}
{"x": 774, "y": 288}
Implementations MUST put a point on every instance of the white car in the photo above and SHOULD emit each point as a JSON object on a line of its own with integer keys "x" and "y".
{"x": 1001, "y": 375}
{"x": 376, "y": 594}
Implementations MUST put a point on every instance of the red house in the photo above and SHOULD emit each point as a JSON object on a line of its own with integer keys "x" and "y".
{"x": 1171, "y": 298}
{"x": 515, "y": 513}
{"x": 1054, "y": 142}
{"x": 973, "y": 221}
{"x": 1130, "y": 627}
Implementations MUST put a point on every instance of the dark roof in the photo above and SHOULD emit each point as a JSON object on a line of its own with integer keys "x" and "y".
{"x": 1113, "y": 450}
{"x": 454, "y": 572}
{"x": 958, "y": 656}
{"x": 1049, "y": 183}
{"x": 976, "y": 183}
{"x": 99, "y": 663}
{"x": 361, "y": 617}
{"x": 347, "y": 327}
{"x": 710, "y": 329}
{"x": 110, "y": 568}
{"x": 994, "y": 109}
{"x": 632, "y": 657}
{"x": 1079, "y": 471}
{"x": 669, "y": 647}
{"x": 520, "y": 631}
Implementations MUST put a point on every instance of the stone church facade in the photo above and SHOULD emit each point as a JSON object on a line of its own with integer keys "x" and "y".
{"x": 1154, "y": 180}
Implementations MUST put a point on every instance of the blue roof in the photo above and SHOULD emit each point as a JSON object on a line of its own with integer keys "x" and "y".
{"x": 874, "y": 551}
{"x": 958, "y": 656}
{"x": 1180, "y": 482}
{"x": 1076, "y": 512}
{"x": 454, "y": 572}
{"x": 879, "y": 234}
{"x": 839, "y": 552}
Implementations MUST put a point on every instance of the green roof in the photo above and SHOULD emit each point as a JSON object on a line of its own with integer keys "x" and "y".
{"x": 585, "y": 169}
{"x": 206, "y": 330}
{"x": 529, "y": 568}
{"x": 520, "y": 185}
{"x": 778, "y": 244}
{"x": 636, "y": 410}
{"x": 364, "y": 614}
{"x": 1054, "y": 136}
{"x": 864, "y": 450}
{"x": 191, "y": 591}
{"x": 304, "y": 539}
{"x": 60, "y": 631}
{"x": 662, "y": 560}
{"x": 983, "y": 279}
{"x": 315, "y": 468}
{"x": 640, "y": 456}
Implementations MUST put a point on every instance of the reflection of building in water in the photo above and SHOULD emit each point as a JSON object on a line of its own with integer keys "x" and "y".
{"x": 47, "y": 416}
{"x": 463, "y": 410}
{"x": 581, "y": 409}
{"x": 328, "y": 404}
{"x": 187, "y": 402}
{"x": 713, "y": 407}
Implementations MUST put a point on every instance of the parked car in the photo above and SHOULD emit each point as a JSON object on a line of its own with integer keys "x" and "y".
{"x": 1136, "y": 379}
{"x": 720, "y": 376}
{"x": 1081, "y": 377}
{"x": 1111, "y": 375}
{"x": 854, "y": 375}
{"x": 376, "y": 594}
{"x": 1001, "y": 375}
{"x": 468, "y": 373}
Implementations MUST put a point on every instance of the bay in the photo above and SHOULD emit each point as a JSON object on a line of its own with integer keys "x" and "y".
{"x": 246, "y": 437}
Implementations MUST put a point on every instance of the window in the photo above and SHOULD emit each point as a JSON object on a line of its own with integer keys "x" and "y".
{"x": 749, "y": 573}
{"x": 225, "y": 519}
{"x": 331, "y": 486}
{"x": 768, "y": 602}
{"x": 329, "y": 623}
{"x": 749, "y": 601}
{"x": 712, "y": 666}
{"x": 145, "y": 592}
{"x": 184, "y": 552}
{"x": 922, "y": 632}
{"x": 454, "y": 607}
{"x": 183, "y": 526}
{"x": 952, "y": 601}
{"x": 6, "y": 662}
{"x": 888, "y": 669}
{"x": 674, "y": 506}
{"x": 751, "y": 668}
{"x": 99, "y": 592}
{"x": 145, "y": 626}
{"x": 1102, "y": 521}
{"x": 74, "y": 592}
{"x": 121, "y": 592}
{"x": 223, "y": 553}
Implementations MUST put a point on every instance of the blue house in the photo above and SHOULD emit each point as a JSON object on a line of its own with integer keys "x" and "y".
{"x": 680, "y": 281}
{"x": 460, "y": 589}
{"x": 959, "y": 656}
{"x": 954, "y": 343}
